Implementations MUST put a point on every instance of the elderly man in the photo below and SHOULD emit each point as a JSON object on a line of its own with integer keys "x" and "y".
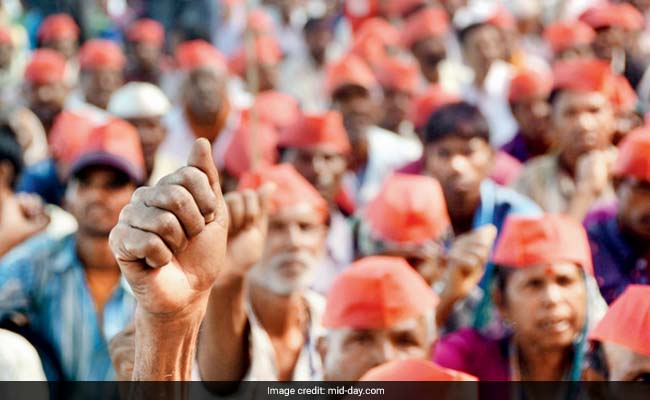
{"x": 69, "y": 288}
{"x": 619, "y": 242}
{"x": 144, "y": 106}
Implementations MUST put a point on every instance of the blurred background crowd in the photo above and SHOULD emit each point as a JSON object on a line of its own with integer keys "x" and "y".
{"x": 477, "y": 176}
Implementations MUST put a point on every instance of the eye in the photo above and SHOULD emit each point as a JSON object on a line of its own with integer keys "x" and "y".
{"x": 564, "y": 280}
{"x": 644, "y": 377}
{"x": 360, "y": 337}
{"x": 535, "y": 284}
{"x": 405, "y": 339}
{"x": 443, "y": 152}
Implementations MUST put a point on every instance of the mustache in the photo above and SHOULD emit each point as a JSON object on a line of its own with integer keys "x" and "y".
{"x": 301, "y": 257}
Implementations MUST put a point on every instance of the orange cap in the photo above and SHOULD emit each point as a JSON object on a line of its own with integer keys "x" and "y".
{"x": 267, "y": 52}
{"x": 564, "y": 35}
{"x": 276, "y": 108}
{"x": 415, "y": 370}
{"x": 358, "y": 11}
{"x": 379, "y": 28}
{"x": 428, "y": 102}
{"x": 115, "y": 144}
{"x": 588, "y": 75}
{"x": 58, "y": 26}
{"x": 318, "y": 131}
{"x": 400, "y": 74}
{"x": 619, "y": 15}
{"x": 409, "y": 208}
{"x": 529, "y": 83}
{"x": 426, "y": 23}
{"x": 530, "y": 241}
{"x": 292, "y": 189}
{"x": 101, "y": 53}
{"x": 46, "y": 66}
{"x": 5, "y": 36}
{"x": 634, "y": 155}
{"x": 349, "y": 70}
{"x": 238, "y": 157}
{"x": 627, "y": 322}
{"x": 377, "y": 292}
{"x": 398, "y": 8}
{"x": 146, "y": 30}
{"x": 623, "y": 96}
{"x": 69, "y": 132}
{"x": 195, "y": 54}
{"x": 259, "y": 21}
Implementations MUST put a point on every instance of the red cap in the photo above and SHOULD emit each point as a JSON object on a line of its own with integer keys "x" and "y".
{"x": 318, "y": 131}
{"x": 267, "y": 52}
{"x": 100, "y": 53}
{"x": 276, "y": 108}
{"x": 398, "y": 8}
{"x": 502, "y": 19}
{"x": 259, "y": 21}
{"x": 195, "y": 54}
{"x": 564, "y": 35}
{"x": 5, "y": 36}
{"x": 429, "y": 22}
{"x": 623, "y": 96}
{"x": 291, "y": 188}
{"x": 530, "y": 83}
{"x": 428, "y": 102}
{"x": 415, "y": 370}
{"x": 58, "y": 26}
{"x": 586, "y": 75}
{"x": 377, "y": 292}
{"x": 530, "y": 241}
{"x": 114, "y": 144}
{"x": 398, "y": 74}
{"x": 619, "y": 15}
{"x": 634, "y": 155}
{"x": 68, "y": 134}
{"x": 408, "y": 209}
{"x": 46, "y": 66}
{"x": 379, "y": 28}
{"x": 147, "y": 31}
{"x": 238, "y": 157}
{"x": 350, "y": 70}
{"x": 358, "y": 11}
{"x": 627, "y": 322}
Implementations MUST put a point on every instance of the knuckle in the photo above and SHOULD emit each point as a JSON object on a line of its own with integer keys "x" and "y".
{"x": 176, "y": 198}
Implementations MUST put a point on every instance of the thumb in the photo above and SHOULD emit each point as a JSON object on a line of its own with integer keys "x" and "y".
{"x": 266, "y": 193}
{"x": 201, "y": 157}
{"x": 487, "y": 233}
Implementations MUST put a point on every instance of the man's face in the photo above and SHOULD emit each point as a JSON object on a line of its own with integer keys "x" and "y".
{"x": 429, "y": 52}
{"x": 483, "y": 46}
{"x": 96, "y": 196}
{"x": 347, "y": 353}
{"x": 625, "y": 365}
{"x": 395, "y": 107}
{"x": 533, "y": 116}
{"x": 317, "y": 42}
{"x": 6, "y": 53}
{"x": 358, "y": 108}
{"x": 582, "y": 122}
{"x": 634, "y": 207}
{"x": 152, "y": 133}
{"x": 294, "y": 246}
{"x": 323, "y": 169}
{"x": 607, "y": 41}
{"x": 460, "y": 165}
{"x": 66, "y": 46}
{"x": 205, "y": 91}
{"x": 425, "y": 259}
{"x": 46, "y": 100}
{"x": 99, "y": 84}
{"x": 144, "y": 55}
{"x": 546, "y": 305}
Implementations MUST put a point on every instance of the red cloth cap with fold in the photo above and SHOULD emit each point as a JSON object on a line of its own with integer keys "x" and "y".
{"x": 428, "y": 102}
{"x": 408, "y": 209}
{"x": 58, "y": 26}
{"x": 195, "y": 54}
{"x": 323, "y": 131}
{"x": 5, "y": 36}
{"x": 398, "y": 8}
{"x": 530, "y": 83}
{"x": 627, "y": 322}
{"x": 415, "y": 370}
{"x": 146, "y": 30}
{"x": 101, "y": 53}
{"x": 259, "y": 21}
{"x": 426, "y": 23}
{"x": 68, "y": 134}
{"x": 267, "y": 52}
{"x": 276, "y": 108}
{"x": 115, "y": 144}
{"x": 381, "y": 29}
{"x": 634, "y": 155}
{"x": 550, "y": 238}
{"x": 46, "y": 66}
{"x": 564, "y": 35}
{"x": 617, "y": 15}
{"x": 350, "y": 70}
{"x": 400, "y": 74}
{"x": 377, "y": 292}
{"x": 291, "y": 189}
{"x": 238, "y": 157}
{"x": 623, "y": 95}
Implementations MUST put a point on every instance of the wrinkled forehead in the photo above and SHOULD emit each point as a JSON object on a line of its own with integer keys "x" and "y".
{"x": 577, "y": 100}
{"x": 299, "y": 213}
{"x": 413, "y": 325}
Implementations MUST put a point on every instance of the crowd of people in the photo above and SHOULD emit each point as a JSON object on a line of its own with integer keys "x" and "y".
{"x": 300, "y": 190}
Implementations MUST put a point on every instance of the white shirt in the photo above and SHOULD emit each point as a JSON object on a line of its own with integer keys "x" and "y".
{"x": 340, "y": 252}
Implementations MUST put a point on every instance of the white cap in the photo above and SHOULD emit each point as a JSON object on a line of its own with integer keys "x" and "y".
{"x": 138, "y": 100}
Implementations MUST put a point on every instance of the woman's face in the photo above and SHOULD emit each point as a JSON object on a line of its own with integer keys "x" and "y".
{"x": 546, "y": 305}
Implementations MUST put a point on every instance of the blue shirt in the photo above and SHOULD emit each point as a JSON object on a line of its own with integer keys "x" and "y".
{"x": 44, "y": 279}
{"x": 498, "y": 202}
{"x": 616, "y": 263}
{"x": 43, "y": 180}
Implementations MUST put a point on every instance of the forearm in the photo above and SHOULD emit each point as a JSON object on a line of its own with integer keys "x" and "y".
{"x": 580, "y": 204}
